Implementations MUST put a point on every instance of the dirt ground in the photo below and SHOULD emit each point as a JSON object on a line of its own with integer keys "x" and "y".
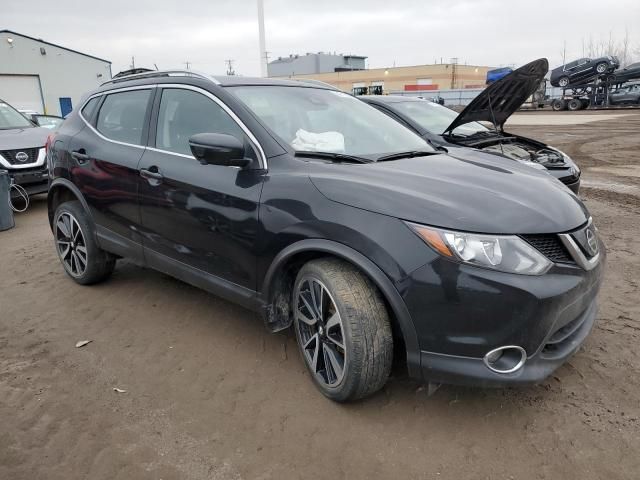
{"x": 211, "y": 395}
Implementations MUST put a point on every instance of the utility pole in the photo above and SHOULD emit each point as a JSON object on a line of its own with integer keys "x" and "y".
{"x": 263, "y": 48}
{"x": 230, "y": 70}
{"x": 454, "y": 73}
{"x": 188, "y": 64}
{"x": 133, "y": 62}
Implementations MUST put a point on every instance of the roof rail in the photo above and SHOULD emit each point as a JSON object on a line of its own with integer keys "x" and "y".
{"x": 160, "y": 73}
{"x": 315, "y": 82}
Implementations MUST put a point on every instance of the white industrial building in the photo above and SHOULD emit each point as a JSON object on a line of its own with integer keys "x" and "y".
{"x": 313, "y": 63}
{"x": 44, "y": 77}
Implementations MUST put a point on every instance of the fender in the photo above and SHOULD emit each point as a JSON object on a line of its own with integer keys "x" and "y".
{"x": 64, "y": 183}
{"x": 375, "y": 274}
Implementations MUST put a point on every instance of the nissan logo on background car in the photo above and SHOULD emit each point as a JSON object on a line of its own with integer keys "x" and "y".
{"x": 22, "y": 157}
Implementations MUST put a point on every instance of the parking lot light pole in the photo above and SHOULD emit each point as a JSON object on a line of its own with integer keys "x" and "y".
{"x": 263, "y": 52}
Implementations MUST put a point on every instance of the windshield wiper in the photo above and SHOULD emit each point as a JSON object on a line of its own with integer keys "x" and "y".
{"x": 408, "y": 154}
{"x": 337, "y": 157}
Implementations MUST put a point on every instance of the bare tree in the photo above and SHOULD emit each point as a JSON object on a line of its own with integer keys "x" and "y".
{"x": 610, "y": 46}
{"x": 624, "y": 49}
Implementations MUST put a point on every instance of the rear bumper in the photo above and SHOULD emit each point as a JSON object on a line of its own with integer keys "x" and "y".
{"x": 470, "y": 371}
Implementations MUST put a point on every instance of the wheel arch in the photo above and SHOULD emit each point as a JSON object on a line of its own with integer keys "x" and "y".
{"x": 278, "y": 282}
{"x": 62, "y": 190}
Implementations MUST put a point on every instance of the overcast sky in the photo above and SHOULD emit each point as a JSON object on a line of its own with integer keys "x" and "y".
{"x": 401, "y": 32}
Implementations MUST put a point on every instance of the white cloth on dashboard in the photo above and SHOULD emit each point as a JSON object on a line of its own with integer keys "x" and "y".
{"x": 318, "y": 142}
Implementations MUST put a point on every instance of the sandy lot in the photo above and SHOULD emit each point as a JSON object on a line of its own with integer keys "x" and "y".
{"x": 211, "y": 395}
{"x": 562, "y": 118}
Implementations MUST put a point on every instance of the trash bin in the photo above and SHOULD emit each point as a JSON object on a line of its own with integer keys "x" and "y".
{"x": 6, "y": 213}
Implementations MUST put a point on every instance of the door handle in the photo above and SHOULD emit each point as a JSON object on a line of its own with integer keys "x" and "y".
{"x": 152, "y": 175}
{"x": 80, "y": 155}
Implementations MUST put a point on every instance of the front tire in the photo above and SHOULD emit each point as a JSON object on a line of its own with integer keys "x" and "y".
{"x": 76, "y": 247}
{"x": 602, "y": 67}
{"x": 343, "y": 329}
{"x": 563, "y": 82}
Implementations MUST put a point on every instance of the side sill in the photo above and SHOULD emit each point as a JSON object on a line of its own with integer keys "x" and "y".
{"x": 118, "y": 245}
{"x": 232, "y": 292}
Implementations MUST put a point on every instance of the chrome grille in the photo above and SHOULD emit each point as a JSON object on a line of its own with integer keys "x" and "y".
{"x": 14, "y": 157}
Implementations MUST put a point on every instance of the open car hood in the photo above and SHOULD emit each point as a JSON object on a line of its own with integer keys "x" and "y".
{"x": 504, "y": 96}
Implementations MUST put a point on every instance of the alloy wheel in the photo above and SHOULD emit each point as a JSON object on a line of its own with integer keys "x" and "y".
{"x": 320, "y": 332}
{"x": 71, "y": 244}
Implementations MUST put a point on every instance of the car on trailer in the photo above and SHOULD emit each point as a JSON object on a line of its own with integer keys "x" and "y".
{"x": 582, "y": 70}
{"x": 626, "y": 95}
{"x": 630, "y": 72}
{"x": 450, "y": 130}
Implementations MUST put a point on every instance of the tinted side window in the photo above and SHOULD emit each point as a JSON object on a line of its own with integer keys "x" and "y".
{"x": 184, "y": 113}
{"x": 89, "y": 108}
{"x": 122, "y": 116}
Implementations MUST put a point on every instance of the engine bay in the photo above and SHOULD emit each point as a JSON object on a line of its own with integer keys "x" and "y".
{"x": 526, "y": 153}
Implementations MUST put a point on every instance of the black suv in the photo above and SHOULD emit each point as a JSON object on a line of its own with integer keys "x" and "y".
{"x": 582, "y": 70}
{"x": 305, "y": 204}
{"x": 22, "y": 150}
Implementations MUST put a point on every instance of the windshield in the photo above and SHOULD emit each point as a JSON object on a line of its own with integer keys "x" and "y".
{"x": 435, "y": 118}
{"x": 48, "y": 122}
{"x": 317, "y": 120}
{"x": 11, "y": 118}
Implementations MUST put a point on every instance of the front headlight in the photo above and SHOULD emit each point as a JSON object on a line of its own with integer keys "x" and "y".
{"x": 506, "y": 253}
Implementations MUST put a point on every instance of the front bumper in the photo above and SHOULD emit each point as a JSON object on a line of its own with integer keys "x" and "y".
{"x": 471, "y": 371}
{"x": 570, "y": 180}
{"x": 34, "y": 180}
{"x": 574, "y": 185}
{"x": 461, "y": 313}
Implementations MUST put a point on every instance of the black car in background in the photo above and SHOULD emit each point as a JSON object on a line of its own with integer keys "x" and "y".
{"x": 582, "y": 70}
{"x": 305, "y": 204}
{"x": 22, "y": 150}
{"x": 447, "y": 129}
{"x": 627, "y": 95}
{"x": 630, "y": 72}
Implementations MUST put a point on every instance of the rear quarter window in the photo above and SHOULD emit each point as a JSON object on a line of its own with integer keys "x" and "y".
{"x": 90, "y": 107}
{"x": 122, "y": 116}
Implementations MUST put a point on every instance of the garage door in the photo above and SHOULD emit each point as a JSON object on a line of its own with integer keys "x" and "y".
{"x": 22, "y": 91}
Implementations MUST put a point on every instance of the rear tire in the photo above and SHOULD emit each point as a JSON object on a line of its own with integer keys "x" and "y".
{"x": 574, "y": 105}
{"x": 558, "y": 105}
{"x": 342, "y": 328}
{"x": 76, "y": 246}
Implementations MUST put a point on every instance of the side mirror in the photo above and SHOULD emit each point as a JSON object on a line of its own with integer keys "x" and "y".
{"x": 218, "y": 149}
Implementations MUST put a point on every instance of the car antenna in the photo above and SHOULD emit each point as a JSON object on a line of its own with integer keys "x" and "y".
{"x": 493, "y": 120}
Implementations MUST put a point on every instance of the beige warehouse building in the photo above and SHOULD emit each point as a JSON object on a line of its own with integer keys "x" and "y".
{"x": 412, "y": 78}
